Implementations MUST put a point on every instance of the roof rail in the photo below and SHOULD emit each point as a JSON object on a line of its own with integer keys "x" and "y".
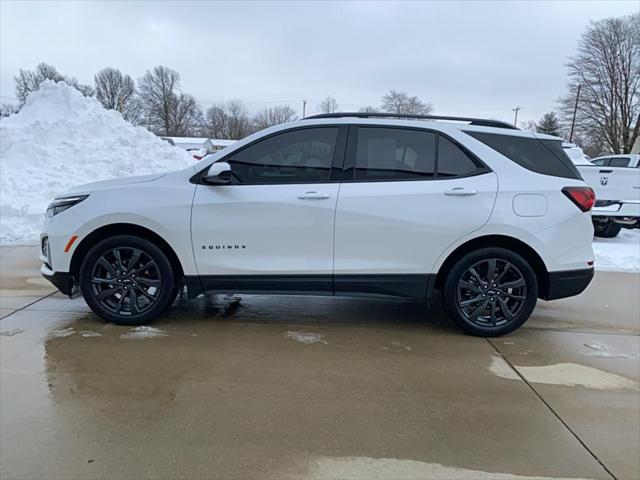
{"x": 472, "y": 121}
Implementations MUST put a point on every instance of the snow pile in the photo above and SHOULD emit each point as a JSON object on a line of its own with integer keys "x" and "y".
{"x": 61, "y": 139}
{"x": 618, "y": 254}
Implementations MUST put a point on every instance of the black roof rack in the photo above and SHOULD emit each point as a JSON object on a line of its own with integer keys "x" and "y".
{"x": 472, "y": 121}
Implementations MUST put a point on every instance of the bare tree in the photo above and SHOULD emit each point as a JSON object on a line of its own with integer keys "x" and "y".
{"x": 271, "y": 116}
{"x": 239, "y": 122}
{"x": 228, "y": 120}
{"x": 116, "y": 91}
{"x": 7, "y": 109}
{"x": 401, "y": 103}
{"x": 529, "y": 126}
{"x": 157, "y": 89}
{"x": 216, "y": 122}
{"x": 328, "y": 105}
{"x": 166, "y": 110}
{"x": 369, "y": 109}
{"x": 28, "y": 81}
{"x": 607, "y": 67}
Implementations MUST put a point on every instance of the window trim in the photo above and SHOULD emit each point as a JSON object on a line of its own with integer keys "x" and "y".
{"x": 349, "y": 170}
{"x": 337, "y": 160}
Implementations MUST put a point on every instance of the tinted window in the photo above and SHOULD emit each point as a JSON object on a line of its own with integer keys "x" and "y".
{"x": 619, "y": 162}
{"x": 300, "y": 156}
{"x": 541, "y": 156}
{"x": 452, "y": 160}
{"x": 395, "y": 154}
{"x": 601, "y": 162}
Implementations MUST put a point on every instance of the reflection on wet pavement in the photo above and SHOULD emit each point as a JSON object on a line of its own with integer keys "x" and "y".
{"x": 311, "y": 387}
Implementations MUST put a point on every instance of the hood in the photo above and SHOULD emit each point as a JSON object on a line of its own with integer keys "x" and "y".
{"x": 106, "y": 184}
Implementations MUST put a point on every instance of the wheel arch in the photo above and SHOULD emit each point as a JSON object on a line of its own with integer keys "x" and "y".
{"x": 502, "y": 241}
{"x": 111, "y": 230}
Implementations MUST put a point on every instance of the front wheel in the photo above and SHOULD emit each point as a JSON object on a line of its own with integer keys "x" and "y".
{"x": 490, "y": 292}
{"x": 127, "y": 280}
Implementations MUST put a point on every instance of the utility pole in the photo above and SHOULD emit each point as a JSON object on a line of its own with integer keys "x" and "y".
{"x": 575, "y": 111}
{"x": 515, "y": 120}
{"x": 304, "y": 108}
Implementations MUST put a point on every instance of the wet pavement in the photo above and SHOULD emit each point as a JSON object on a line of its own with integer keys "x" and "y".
{"x": 308, "y": 387}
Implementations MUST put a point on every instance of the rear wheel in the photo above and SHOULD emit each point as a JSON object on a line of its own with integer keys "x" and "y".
{"x": 607, "y": 228}
{"x": 490, "y": 292}
{"x": 127, "y": 280}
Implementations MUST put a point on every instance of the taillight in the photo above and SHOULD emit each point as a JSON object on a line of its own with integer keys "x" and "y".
{"x": 583, "y": 197}
{"x": 198, "y": 157}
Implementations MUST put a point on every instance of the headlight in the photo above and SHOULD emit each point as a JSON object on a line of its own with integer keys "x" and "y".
{"x": 61, "y": 204}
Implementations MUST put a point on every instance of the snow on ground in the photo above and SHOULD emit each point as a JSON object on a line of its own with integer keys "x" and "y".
{"x": 61, "y": 139}
{"x": 141, "y": 333}
{"x": 621, "y": 253}
{"x": 306, "y": 337}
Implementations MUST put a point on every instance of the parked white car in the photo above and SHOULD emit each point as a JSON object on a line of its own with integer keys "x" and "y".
{"x": 622, "y": 160}
{"x": 616, "y": 182}
{"x": 339, "y": 204}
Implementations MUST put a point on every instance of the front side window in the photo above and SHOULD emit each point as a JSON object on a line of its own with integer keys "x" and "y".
{"x": 601, "y": 162}
{"x": 394, "y": 154}
{"x": 299, "y": 156}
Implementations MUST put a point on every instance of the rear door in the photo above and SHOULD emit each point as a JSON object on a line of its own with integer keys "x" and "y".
{"x": 409, "y": 195}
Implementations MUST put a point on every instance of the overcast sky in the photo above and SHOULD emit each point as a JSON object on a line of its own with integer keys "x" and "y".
{"x": 467, "y": 58}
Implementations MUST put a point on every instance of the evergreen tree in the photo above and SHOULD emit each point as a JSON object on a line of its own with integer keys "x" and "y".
{"x": 549, "y": 124}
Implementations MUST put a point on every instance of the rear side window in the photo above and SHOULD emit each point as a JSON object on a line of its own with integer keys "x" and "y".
{"x": 394, "y": 154}
{"x": 619, "y": 162}
{"x": 541, "y": 156}
{"x": 452, "y": 161}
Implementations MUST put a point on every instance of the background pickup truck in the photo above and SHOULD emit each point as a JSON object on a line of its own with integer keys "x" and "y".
{"x": 616, "y": 181}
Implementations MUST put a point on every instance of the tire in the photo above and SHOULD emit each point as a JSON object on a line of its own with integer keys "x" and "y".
{"x": 499, "y": 311}
{"x": 139, "y": 296}
{"x": 607, "y": 229}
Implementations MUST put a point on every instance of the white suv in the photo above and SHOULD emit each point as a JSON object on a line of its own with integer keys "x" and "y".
{"x": 338, "y": 204}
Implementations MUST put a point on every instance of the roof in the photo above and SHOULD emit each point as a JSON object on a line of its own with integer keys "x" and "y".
{"x": 469, "y": 120}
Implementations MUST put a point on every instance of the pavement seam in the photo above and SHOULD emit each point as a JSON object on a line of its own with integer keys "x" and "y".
{"x": 551, "y": 409}
{"x": 27, "y": 305}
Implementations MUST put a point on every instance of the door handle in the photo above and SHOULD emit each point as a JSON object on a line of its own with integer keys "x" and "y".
{"x": 314, "y": 196}
{"x": 461, "y": 192}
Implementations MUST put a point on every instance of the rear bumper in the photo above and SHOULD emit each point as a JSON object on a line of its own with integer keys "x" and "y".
{"x": 628, "y": 208}
{"x": 567, "y": 283}
{"x": 63, "y": 281}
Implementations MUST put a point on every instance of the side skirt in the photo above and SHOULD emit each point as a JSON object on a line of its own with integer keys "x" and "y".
{"x": 389, "y": 285}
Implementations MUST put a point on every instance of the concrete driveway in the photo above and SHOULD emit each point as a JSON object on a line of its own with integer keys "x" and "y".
{"x": 305, "y": 387}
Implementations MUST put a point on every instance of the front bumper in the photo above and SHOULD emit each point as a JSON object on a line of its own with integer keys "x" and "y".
{"x": 63, "y": 281}
{"x": 567, "y": 283}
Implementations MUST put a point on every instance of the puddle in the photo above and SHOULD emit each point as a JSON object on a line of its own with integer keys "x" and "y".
{"x": 141, "y": 333}
{"x": 306, "y": 337}
{"x": 352, "y": 468}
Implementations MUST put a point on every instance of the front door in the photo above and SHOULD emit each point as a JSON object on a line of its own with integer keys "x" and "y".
{"x": 272, "y": 228}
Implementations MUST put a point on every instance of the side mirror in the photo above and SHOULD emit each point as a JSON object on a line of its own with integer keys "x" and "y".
{"x": 219, "y": 174}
